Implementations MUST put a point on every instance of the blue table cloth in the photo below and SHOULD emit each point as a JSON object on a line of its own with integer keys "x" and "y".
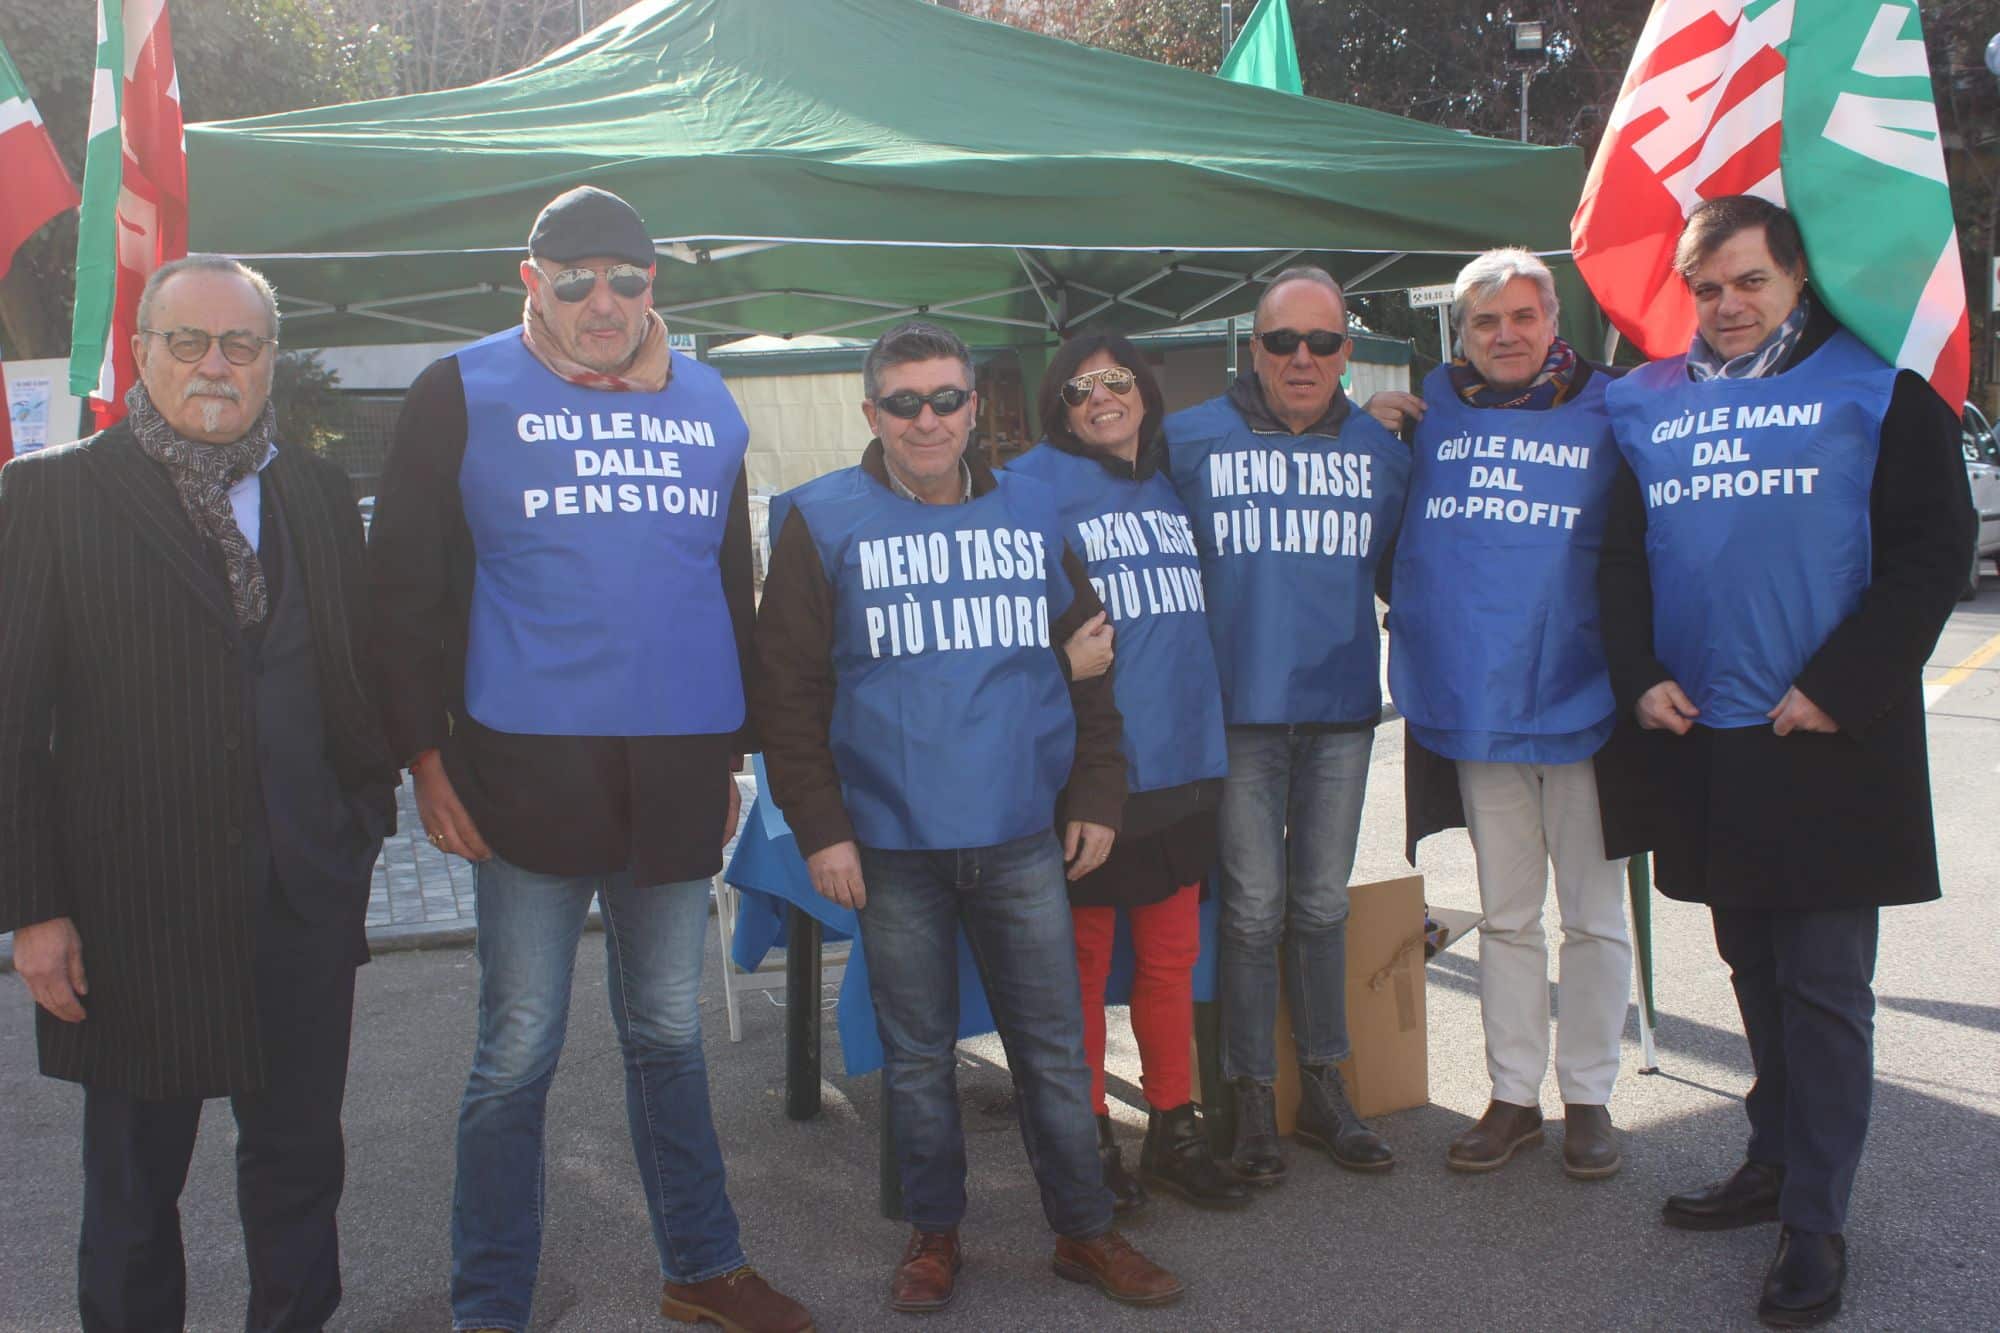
{"x": 773, "y": 882}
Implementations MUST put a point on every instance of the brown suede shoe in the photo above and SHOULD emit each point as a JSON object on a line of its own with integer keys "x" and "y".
{"x": 1504, "y": 1130}
{"x": 739, "y": 1301}
{"x": 1590, "y": 1146}
{"x": 927, "y": 1278}
{"x": 1110, "y": 1263}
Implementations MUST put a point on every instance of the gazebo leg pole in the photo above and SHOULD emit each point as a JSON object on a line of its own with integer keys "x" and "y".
{"x": 890, "y": 1190}
{"x": 802, "y": 1017}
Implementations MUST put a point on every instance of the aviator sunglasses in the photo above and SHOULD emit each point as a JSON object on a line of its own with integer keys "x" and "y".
{"x": 1076, "y": 392}
{"x": 574, "y": 284}
{"x": 1320, "y": 342}
{"x": 908, "y": 404}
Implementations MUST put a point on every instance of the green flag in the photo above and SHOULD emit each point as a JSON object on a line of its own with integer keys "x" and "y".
{"x": 1264, "y": 56}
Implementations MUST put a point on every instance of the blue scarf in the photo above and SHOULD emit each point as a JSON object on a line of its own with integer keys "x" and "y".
{"x": 1705, "y": 363}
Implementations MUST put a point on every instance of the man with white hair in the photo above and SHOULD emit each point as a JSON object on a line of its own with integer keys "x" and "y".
{"x": 1496, "y": 663}
{"x": 193, "y": 791}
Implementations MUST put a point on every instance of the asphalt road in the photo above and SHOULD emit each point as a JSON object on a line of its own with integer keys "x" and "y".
{"x": 1417, "y": 1248}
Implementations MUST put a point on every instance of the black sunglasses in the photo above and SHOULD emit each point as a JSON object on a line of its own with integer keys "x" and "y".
{"x": 575, "y": 284}
{"x": 908, "y": 404}
{"x": 1320, "y": 342}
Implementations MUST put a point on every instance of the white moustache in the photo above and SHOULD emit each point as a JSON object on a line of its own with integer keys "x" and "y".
{"x": 201, "y": 388}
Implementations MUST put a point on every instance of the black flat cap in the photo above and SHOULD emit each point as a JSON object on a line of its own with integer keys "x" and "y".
{"x": 586, "y": 223}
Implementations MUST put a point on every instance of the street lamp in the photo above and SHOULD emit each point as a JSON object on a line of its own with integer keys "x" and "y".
{"x": 1531, "y": 52}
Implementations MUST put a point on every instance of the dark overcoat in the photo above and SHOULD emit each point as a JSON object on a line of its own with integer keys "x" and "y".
{"x": 1745, "y": 818}
{"x": 129, "y": 786}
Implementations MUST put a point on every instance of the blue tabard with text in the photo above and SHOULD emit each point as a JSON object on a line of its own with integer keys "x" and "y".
{"x": 1135, "y": 540}
{"x": 952, "y": 724}
{"x": 1291, "y": 528}
{"x": 1757, "y": 524}
{"x": 597, "y": 520}
{"x": 1495, "y": 653}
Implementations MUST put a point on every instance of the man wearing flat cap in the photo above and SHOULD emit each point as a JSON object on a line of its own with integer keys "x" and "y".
{"x": 562, "y": 557}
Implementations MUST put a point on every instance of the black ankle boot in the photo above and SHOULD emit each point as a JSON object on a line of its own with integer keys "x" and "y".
{"x": 1176, "y": 1155}
{"x": 1327, "y": 1118}
{"x": 1126, "y": 1193}
{"x": 1256, "y": 1158}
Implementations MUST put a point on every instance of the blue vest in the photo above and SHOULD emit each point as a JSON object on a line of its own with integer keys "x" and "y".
{"x": 1494, "y": 648}
{"x": 1291, "y": 528}
{"x": 1135, "y": 540}
{"x": 597, "y": 520}
{"x": 1757, "y": 531}
{"x": 952, "y": 724}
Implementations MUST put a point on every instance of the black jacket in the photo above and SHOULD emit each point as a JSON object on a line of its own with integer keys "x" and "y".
{"x": 1168, "y": 838}
{"x": 557, "y": 805}
{"x": 1745, "y": 818}
{"x": 129, "y": 789}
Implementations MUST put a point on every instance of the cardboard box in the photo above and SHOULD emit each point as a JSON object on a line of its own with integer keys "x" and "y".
{"x": 1389, "y": 1069}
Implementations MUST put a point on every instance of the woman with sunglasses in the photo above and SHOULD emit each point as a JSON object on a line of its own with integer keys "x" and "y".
{"x": 1101, "y": 409}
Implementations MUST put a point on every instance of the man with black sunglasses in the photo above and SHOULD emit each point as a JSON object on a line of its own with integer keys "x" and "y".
{"x": 1294, "y": 497}
{"x": 561, "y": 557}
{"x": 920, "y": 733}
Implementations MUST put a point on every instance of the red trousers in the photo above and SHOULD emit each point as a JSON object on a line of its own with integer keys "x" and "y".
{"x": 1166, "y": 936}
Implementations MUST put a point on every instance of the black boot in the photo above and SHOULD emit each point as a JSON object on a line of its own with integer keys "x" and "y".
{"x": 1256, "y": 1158}
{"x": 1803, "y": 1286}
{"x": 1176, "y": 1155}
{"x": 1327, "y": 1118}
{"x": 1126, "y": 1193}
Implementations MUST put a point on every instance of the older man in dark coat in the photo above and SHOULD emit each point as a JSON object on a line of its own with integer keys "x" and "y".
{"x": 193, "y": 792}
{"x": 1786, "y": 542}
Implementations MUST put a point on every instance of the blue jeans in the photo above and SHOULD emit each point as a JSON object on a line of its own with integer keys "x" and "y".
{"x": 529, "y": 925}
{"x": 1291, "y": 814}
{"x": 1014, "y": 905}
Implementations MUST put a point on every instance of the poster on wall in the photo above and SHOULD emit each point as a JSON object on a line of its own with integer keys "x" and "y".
{"x": 28, "y": 411}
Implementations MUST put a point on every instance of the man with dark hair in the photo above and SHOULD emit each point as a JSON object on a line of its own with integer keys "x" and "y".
{"x": 194, "y": 787}
{"x": 1295, "y": 496}
{"x": 920, "y": 733}
{"x": 561, "y": 555}
{"x": 1786, "y": 541}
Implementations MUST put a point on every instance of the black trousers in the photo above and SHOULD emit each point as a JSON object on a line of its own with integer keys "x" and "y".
{"x": 290, "y": 1158}
{"x": 1804, "y": 982}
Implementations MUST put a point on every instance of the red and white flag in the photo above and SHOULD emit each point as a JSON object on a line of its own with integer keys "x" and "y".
{"x": 134, "y": 196}
{"x": 1827, "y": 110}
{"x": 38, "y": 188}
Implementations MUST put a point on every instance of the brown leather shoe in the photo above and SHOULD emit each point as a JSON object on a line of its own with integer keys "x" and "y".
{"x": 1111, "y": 1264}
{"x": 927, "y": 1278}
{"x": 1504, "y": 1130}
{"x": 1590, "y": 1145}
{"x": 740, "y": 1301}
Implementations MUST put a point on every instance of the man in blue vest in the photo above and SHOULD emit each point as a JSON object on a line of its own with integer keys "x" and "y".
{"x": 1786, "y": 541}
{"x": 923, "y": 740}
{"x": 1497, "y": 665}
{"x": 1294, "y": 495}
{"x": 562, "y": 560}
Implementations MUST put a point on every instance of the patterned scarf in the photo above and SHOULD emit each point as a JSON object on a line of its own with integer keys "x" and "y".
{"x": 202, "y": 475}
{"x": 652, "y": 365}
{"x": 1705, "y": 363}
{"x": 1551, "y": 386}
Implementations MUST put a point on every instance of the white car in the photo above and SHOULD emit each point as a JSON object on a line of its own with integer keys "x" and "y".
{"x": 1982, "y": 469}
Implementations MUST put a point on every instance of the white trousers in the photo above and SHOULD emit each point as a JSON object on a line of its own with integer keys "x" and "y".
{"x": 1522, "y": 817}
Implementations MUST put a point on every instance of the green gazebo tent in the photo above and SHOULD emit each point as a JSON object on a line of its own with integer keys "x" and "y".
{"x": 827, "y": 166}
